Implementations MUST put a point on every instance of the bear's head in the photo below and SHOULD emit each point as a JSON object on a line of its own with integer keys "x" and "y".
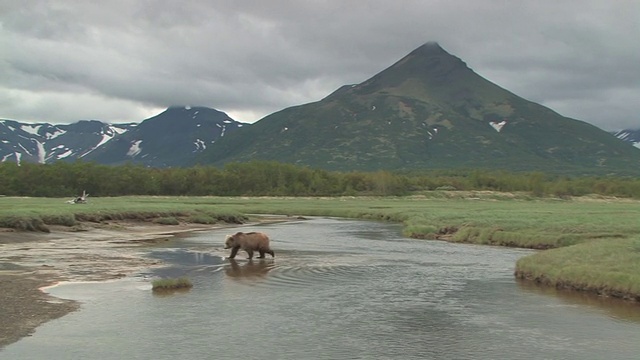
{"x": 231, "y": 241}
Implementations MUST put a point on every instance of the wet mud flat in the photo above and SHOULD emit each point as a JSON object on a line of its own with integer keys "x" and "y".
{"x": 31, "y": 261}
{"x": 25, "y": 306}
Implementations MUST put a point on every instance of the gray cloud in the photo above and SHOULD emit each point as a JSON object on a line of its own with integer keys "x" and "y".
{"x": 126, "y": 60}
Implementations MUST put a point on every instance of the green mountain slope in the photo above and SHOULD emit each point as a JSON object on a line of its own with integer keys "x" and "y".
{"x": 427, "y": 111}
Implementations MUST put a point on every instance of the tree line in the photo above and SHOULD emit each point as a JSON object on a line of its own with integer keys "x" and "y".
{"x": 268, "y": 178}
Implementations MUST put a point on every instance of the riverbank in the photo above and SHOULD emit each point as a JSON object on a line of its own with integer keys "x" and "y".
{"x": 30, "y": 261}
{"x": 608, "y": 267}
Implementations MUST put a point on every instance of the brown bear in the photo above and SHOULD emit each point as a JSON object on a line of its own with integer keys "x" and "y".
{"x": 249, "y": 242}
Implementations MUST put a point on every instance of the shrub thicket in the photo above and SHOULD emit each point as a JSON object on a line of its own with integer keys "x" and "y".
{"x": 267, "y": 178}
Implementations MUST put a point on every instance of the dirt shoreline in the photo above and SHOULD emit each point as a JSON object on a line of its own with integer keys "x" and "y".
{"x": 30, "y": 261}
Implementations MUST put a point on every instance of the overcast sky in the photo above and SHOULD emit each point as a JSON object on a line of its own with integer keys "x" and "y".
{"x": 126, "y": 60}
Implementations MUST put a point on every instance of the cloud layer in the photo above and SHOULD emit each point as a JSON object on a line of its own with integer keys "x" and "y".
{"x": 122, "y": 60}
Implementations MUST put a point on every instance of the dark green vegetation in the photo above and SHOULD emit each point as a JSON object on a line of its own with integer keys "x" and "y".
{"x": 276, "y": 179}
{"x": 596, "y": 240}
{"x": 171, "y": 284}
{"x": 427, "y": 111}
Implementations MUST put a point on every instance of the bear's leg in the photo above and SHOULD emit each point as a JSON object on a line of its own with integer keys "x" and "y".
{"x": 270, "y": 252}
{"x": 261, "y": 254}
{"x": 250, "y": 253}
{"x": 234, "y": 251}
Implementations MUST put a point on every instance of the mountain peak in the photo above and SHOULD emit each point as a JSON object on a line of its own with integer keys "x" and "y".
{"x": 429, "y": 48}
{"x": 428, "y": 110}
{"x": 430, "y": 65}
{"x": 432, "y": 55}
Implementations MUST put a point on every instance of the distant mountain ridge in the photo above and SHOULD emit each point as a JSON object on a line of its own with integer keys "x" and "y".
{"x": 170, "y": 138}
{"x": 429, "y": 110}
{"x": 45, "y": 143}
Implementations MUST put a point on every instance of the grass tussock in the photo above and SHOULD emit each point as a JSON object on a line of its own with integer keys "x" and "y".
{"x": 100, "y": 216}
{"x": 229, "y": 217}
{"x": 25, "y": 223}
{"x": 202, "y": 219}
{"x": 171, "y": 284}
{"x": 60, "y": 219}
{"x": 170, "y": 220}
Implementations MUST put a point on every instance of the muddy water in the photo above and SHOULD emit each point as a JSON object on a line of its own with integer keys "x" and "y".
{"x": 337, "y": 289}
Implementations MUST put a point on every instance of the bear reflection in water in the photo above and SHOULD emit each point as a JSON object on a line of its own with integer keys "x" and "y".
{"x": 251, "y": 269}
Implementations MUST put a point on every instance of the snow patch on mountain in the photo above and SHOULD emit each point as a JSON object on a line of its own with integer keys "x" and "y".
{"x": 30, "y": 128}
{"x": 223, "y": 127}
{"x": 200, "y": 145}
{"x": 118, "y": 130}
{"x": 42, "y": 153}
{"x": 135, "y": 148}
{"x": 105, "y": 137}
{"x": 632, "y": 136}
{"x": 107, "y": 134}
{"x": 498, "y": 125}
{"x": 55, "y": 134}
{"x": 24, "y": 150}
{"x": 65, "y": 154}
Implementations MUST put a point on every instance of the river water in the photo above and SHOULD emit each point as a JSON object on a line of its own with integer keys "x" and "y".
{"x": 337, "y": 289}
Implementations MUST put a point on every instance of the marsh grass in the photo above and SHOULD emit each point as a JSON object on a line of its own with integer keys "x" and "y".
{"x": 227, "y": 216}
{"x": 24, "y": 222}
{"x": 202, "y": 219}
{"x": 59, "y": 219}
{"x": 171, "y": 284}
{"x": 478, "y": 216}
{"x": 35, "y": 214}
{"x": 606, "y": 266}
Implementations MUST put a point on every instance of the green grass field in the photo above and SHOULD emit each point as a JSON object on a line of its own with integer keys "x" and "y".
{"x": 598, "y": 239}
